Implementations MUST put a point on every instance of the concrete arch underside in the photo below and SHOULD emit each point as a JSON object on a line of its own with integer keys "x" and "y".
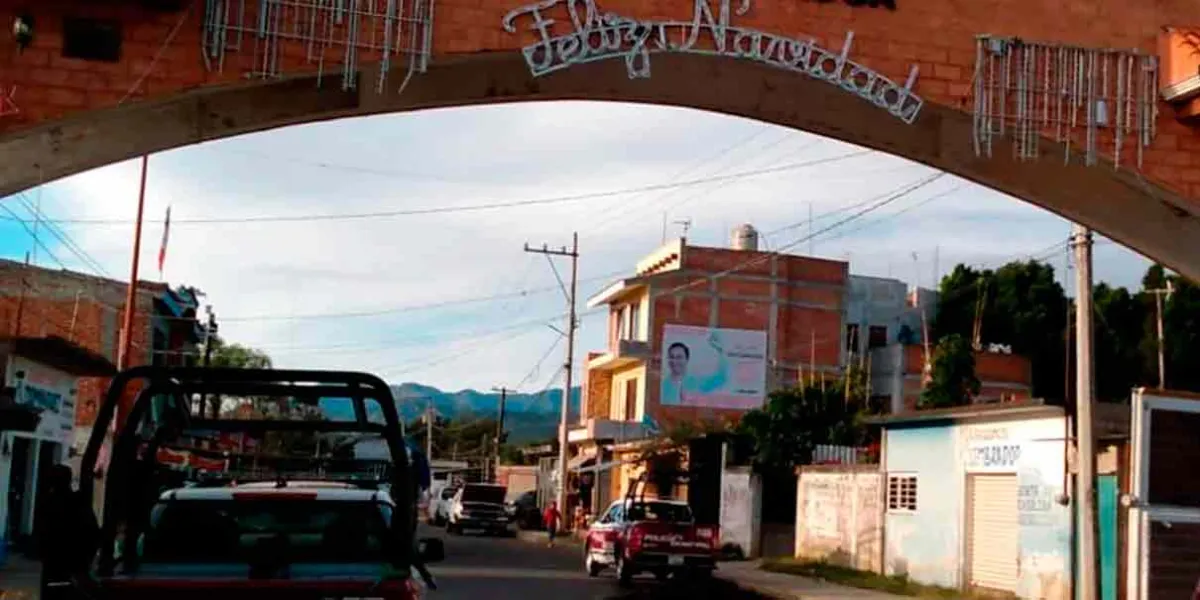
{"x": 1118, "y": 203}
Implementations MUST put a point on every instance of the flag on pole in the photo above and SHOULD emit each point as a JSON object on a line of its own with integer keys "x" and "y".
{"x": 162, "y": 250}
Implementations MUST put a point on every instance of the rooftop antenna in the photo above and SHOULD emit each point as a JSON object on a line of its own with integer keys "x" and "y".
{"x": 685, "y": 224}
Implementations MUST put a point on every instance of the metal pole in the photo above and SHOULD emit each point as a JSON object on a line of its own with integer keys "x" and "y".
{"x": 1085, "y": 498}
{"x": 429, "y": 429}
{"x": 131, "y": 293}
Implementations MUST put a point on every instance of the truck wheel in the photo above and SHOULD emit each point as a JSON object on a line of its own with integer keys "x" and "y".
{"x": 624, "y": 571}
{"x": 592, "y": 567}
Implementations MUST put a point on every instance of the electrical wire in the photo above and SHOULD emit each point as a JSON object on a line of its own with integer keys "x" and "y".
{"x": 469, "y": 208}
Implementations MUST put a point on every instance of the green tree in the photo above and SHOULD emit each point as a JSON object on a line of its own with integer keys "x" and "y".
{"x": 952, "y": 377}
{"x": 1021, "y": 305}
{"x": 794, "y": 421}
{"x": 1119, "y": 330}
{"x": 238, "y": 356}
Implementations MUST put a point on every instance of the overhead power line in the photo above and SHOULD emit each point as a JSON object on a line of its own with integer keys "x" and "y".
{"x": 467, "y": 208}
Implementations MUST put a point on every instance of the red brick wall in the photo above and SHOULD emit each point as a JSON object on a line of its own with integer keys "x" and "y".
{"x": 938, "y": 37}
{"x": 83, "y": 309}
{"x": 744, "y": 302}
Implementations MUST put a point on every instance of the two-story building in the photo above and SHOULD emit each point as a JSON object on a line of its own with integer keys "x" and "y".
{"x": 700, "y": 334}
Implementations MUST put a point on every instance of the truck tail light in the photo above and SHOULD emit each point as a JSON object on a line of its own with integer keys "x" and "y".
{"x": 636, "y": 535}
{"x": 711, "y": 535}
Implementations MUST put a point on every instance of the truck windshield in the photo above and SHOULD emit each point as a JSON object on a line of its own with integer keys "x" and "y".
{"x": 492, "y": 494}
{"x": 247, "y": 531}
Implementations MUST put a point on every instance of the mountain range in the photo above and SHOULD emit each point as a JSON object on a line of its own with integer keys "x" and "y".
{"x": 528, "y": 417}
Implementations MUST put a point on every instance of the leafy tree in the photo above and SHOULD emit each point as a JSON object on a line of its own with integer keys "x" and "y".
{"x": 1021, "y": 305}
{"x": 952, "y": 377}
{"x": 1119, "y": 323}
{"x": 238, "y": 356}
{"x": 794, "y": 421}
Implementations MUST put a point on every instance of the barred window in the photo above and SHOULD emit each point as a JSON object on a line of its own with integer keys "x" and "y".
{"x": 902, "y": 492}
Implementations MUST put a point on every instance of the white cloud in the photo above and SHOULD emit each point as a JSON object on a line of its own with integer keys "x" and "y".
{"x": 505, "y": 153}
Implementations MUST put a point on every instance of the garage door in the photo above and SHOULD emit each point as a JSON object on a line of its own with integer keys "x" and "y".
{"x": 993, "y": 532}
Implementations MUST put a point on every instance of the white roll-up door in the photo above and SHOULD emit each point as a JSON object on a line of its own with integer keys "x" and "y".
{"x": 993, "y": 531}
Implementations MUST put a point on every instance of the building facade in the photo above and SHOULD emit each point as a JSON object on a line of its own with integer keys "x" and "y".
{"x": 88, "y": 310}
{"x": 898, "y": 372}
{"x": 42, "y": 374}
{"x": 882, "y": 311}
{"x": 981, "y": 497}
{"x": 701, "y": 335}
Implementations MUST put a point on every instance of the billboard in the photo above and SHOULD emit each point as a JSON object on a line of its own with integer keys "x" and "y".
{"x": 713, "y": 368}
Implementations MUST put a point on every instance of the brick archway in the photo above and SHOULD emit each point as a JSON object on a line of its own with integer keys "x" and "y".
{"x": 69, "y": 123}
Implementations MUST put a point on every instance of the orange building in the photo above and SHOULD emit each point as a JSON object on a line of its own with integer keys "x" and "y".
{"x": 897, "y": 372}
{"x": 793, "y": 304}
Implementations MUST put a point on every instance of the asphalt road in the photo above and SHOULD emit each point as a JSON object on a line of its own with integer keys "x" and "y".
{"x": 506, "y": 568}
{"x": 478, "y": 568}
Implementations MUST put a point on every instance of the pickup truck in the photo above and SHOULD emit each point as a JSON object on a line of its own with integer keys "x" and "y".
{"x": 650, "y": 536}
{"x": 479, "y": 506}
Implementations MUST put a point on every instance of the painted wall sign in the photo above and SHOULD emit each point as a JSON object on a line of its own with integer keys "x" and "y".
{"x": 590, "y": 35}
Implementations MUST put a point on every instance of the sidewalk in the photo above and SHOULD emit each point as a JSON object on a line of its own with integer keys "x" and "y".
{"x": 780, "y": 586}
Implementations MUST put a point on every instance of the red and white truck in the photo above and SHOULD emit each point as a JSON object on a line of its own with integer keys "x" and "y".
{"x": 648, "y": 535}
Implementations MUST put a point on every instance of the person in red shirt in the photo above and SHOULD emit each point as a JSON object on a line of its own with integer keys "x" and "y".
{"x": 552, "y": 519}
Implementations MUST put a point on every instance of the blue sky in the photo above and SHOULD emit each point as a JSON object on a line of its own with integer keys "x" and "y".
{"x": 469, "y": 156}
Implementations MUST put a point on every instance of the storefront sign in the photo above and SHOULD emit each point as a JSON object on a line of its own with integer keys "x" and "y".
{"x": 991, "y": 449}
{"x": 591, "y": 35}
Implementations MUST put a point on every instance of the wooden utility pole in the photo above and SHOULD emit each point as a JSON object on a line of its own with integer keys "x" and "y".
{"x": 210, "y": 332}
{"x": 572, "y": 325}
{"x": 1158, "y": 303}
{"x": 499, "y": 429}
{"x": 429, "y": 416}
{"x": 1085, "y": 497}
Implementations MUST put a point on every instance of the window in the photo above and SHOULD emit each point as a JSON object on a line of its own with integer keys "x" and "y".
{"x": 852, "y": 337}
{"x": 634, "y": 317}
{"x": 631, "y": 393}
{"x": 877, "y": 336}
{"x": 902, "y": 493}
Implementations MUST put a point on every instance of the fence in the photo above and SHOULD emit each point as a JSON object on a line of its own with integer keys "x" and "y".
{"x": 829, "y": 454}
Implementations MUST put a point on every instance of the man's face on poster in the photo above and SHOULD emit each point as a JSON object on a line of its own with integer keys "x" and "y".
{"x": 677, "y": 359}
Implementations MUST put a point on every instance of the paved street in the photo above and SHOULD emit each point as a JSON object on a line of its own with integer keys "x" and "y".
{"x": 477, "y": 567}
{"x": 499, "y": 569}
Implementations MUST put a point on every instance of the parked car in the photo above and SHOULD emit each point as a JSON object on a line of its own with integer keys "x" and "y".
{"x": 650, "y": 536}
{"x": 479, "y": 506}
{"x": 524, "y": 512}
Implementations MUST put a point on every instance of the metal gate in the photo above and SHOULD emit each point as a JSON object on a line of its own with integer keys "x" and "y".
{"x": 1164, "y": 507}
{"x": 992, "y": 532}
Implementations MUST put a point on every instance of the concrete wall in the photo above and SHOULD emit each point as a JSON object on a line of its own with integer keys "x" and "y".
{"x": 741, "y": 510}
{"x": 838, "y": 516}
{"x": 928, "y": 544}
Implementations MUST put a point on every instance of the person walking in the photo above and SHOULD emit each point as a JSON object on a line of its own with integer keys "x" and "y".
{"x": 552, "y": 519}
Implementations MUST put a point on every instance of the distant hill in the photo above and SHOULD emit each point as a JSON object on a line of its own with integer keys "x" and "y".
{"x": 528, "y": 417}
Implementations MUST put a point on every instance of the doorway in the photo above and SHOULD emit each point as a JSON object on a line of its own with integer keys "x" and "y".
{"x": 18, "y": 481}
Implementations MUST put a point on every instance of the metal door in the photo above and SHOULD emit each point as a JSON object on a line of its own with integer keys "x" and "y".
{"x": 1164, "y": 504}
{"x": 993, "y": 530}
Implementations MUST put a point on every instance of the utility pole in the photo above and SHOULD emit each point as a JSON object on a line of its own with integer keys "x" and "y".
{"x": 429, "y": 429}
{"x": 573, "y": 254}
{"x": 1158, "y": 302}
{"x": 210, "y": 331}
{"x": 500, "y": 428}
{"x": 1085, "y": 497}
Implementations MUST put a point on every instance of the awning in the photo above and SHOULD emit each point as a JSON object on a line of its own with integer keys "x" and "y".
{"x": 585, "y": 455}
{"x": 604, "y": 466}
